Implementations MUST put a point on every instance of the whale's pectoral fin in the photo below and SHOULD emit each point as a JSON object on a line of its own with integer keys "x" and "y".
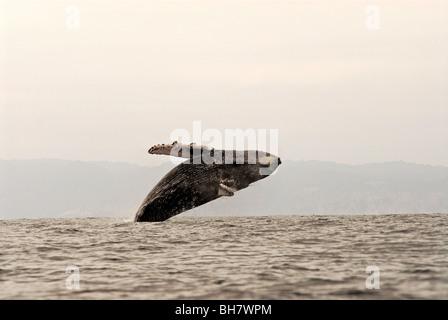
{"x": 177, "y": 149}
{"x": 225, "y": 190}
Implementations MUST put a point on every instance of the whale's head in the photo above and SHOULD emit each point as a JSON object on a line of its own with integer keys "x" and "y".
{"x": 257, "y": 165}
{"x": 248, "y": 167}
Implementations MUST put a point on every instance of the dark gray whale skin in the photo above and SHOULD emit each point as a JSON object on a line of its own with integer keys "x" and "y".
{"x": 194, "y": 183}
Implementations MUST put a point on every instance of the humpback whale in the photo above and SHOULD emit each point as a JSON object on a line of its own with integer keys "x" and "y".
{"x": 208, "y": 174}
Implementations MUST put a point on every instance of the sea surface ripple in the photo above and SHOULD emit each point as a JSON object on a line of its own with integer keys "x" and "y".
{"x": 268, "y": 257}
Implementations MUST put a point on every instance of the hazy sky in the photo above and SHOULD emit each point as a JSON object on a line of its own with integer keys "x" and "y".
{"x": 135, "y": 71}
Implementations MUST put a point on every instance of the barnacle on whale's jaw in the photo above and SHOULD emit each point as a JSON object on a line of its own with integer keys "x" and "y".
{"x": 267, "y": 161}
{"x": 268, "y": 164}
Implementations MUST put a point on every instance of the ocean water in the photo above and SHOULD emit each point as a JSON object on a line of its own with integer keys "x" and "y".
{"x": 269, "y": 257}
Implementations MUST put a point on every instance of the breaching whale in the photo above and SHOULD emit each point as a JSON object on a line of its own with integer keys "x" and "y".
{"x": 207, "y": 175}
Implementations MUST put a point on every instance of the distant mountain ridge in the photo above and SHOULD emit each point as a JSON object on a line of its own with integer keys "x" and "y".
{"x": 61, "y": 188}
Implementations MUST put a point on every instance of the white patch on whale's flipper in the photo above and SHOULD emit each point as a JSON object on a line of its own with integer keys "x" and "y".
{"x": 177, "y": 149}
{"x": 225, "y": 190}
